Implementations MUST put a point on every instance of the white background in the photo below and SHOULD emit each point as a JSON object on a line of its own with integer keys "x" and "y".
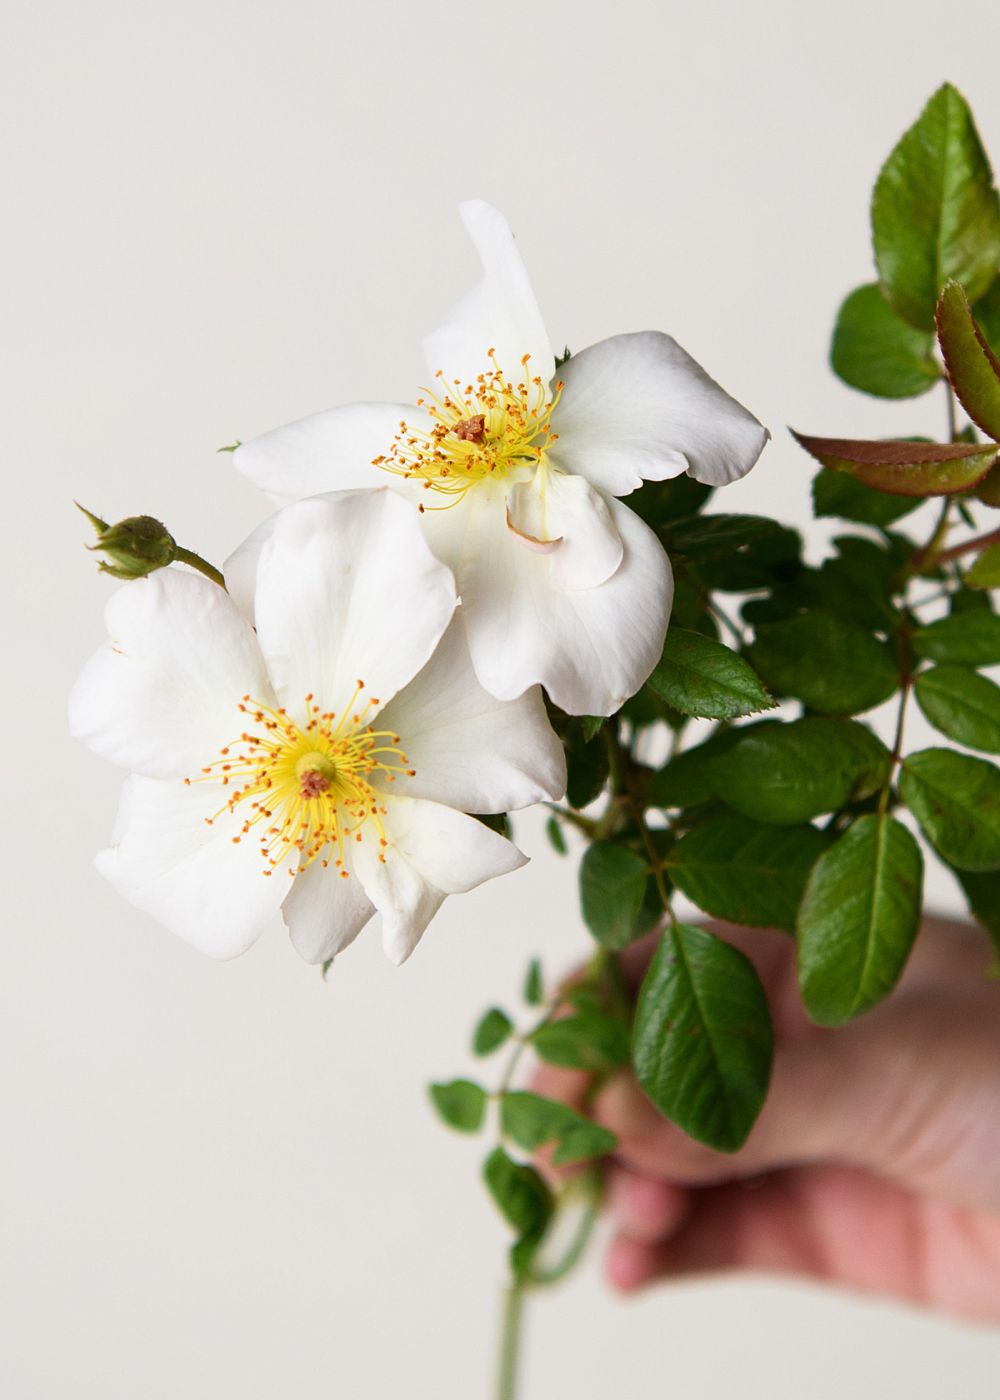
{"x": 223, "y": 1181}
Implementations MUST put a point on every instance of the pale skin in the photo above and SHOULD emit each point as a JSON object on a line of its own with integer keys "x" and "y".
{"x": 874, "y": 1165}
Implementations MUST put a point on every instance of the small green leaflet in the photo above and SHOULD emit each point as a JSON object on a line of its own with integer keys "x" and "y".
{"x": 833, "y": 666}
{"x": 612, "y": 891}
{"x": 876, "y": 351}
{"x": 858, "y": 919}
{"x": 533, "y": 990}
{"x": 962, "y": 704}
{"x": 524, "y": 1201}
{"x": 985, "y": 572}
{"x": 461, "y": 1103}
{"x": 491, "y": 1032}
{"x": 703, "y": 1042}
{"x": 588, "y": 1039}
{"x": 956, "y": 800}
{"x": 533, "y": 1121}
{"x": 968, "y": 638}
{"x": 702, "y": 677}
{"x": 843, "y": 496}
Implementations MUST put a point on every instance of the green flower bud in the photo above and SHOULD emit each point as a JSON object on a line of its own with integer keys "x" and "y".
{"x": 135, "y": 547}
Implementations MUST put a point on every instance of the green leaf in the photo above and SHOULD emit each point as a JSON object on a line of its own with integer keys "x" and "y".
{"x": 934, "y": 211}
{"x": 687, "y": 779}
{"x": 533, "y": 991}
{"x": 587, "y": 1040}
{"x": 956, "y": 800}
{"x": 491, "y": 1032}
{"x": 987, "y": 491}
{"x": 972, "y": 367}
{"x": 968, "y": 638}
{"x": 460, "y": 1103}
{"x": 612, "y": 889}
{"x": 962, "y": 704}
{"x": 858, "y": 919}
{"x": 659, "y": 502}
{"x": 533, "y": 1121}
{"x": 789, "y": 773}
{"x": 556, "y": 838}
{"x": 703, "y": 1040}
{"x": 587, "y": 772}
{"x": 744, "y": 871}
{"x": 969, "y": 600}
{"x": 985, "y": 572}
{"x": 982, "y": 891}
{"x": 904, "y": 468}
{"x": 525, "y": 1202}
{"x": 831, "y": 665}
{"x": 988, "y": 315}
{"x": 704, "y": 678}
{"x": 841, "y": 495}
{"x": 702, "y": 537}
{"x": 876, "y": 351}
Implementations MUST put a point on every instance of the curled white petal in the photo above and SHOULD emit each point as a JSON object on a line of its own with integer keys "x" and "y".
{"x": 468, "y": 749}
{"x": 638, "y": 407}
{"x": 432, "y": 852}
{"x": 571, "y": 522}
{"x": 348, "y": 590}
{"x": 193, "y": 878}
{"x": 329, "y": 451}
{"x": 499, "y": 313}
{"x": 324, "y": 912}
{"x": 160, "y": 697}
{"x": 590, "y": 648}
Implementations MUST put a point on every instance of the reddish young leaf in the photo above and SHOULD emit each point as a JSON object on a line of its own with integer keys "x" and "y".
{"x": 972, "y": 367}
{"x": 905, "y": 468}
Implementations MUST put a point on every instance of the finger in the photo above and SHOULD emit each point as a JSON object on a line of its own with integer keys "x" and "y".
{"x": 644, "y": 1208}
{"x": 831, "y": 1224}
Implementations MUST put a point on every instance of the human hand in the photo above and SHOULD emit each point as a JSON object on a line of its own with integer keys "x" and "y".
{"x": 875, "y": 1163}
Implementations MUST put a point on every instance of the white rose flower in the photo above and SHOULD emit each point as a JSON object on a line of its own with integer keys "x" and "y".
{"x": 517, "y": 468}
{"x": 318, "y": 754}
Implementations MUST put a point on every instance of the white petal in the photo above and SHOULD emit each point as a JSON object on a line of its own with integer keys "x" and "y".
{"x": 591, "y": 648}
{"x": 240, "y": 569}
{"x": 161, "y": 696}
{"x": 500, "y": 312}
{"x": 325, "y": 912}
{"x": 329, "y": 451}
{"x": 432, "y": 852}
{"x": 470, "y": 750}
{"x": 348, "y": 589}
{"x": 638, "y": 407}
{"x": 573, "y": 519}
{"x": 191, "y": 877}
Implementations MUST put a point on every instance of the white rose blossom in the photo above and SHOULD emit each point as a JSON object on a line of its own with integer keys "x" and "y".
{"x": 318, "y": 753}
{"x": 517, "y": 467}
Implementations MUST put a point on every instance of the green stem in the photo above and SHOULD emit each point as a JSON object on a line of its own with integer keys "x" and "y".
{"x": 510, "y": 1340}
{"x": 188, "y": 556}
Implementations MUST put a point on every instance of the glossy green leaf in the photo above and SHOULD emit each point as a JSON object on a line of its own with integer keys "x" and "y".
{"x": 687, "y": 779}
{"x": 532, "y": 1122}
{"x": 968, "y": 638}
{"x": 789, "y": 773}
{"x": 704, "y": 678}
{"x": 858, "y": 919}
{"x": 833, "y": 666}
{"x": 988, "y": 490}
{"x": 982, "y": 892}
{"x": 556, "y": 838}
{"x": 703, "y": 1042}
{"x": 962, "y": 704}
{"x": 985, "y": 572}
{"x": 659, "y": 502}
{"x": 904, "y": 468}
{"x": 972, "y": 367}
{"x": 491, "y": 1032}
{"x": 703, "y": 537}
{"x": 843, "y": 496}
{"x": 875, "y": 350}
{"x": 460, "y": 1103}
{"x": 934, "y": 211}
{"x": 524, "y": 1200}
{"x": 612, "y": 888}
{"x": 956, "y": 800}
{"x": 744, "y": 871}
{"x": 589, "y": 1039}
{"x": 987, "y": 311}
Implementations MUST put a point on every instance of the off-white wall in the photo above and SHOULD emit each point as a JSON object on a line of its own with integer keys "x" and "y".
{"x": 222, "y": 1182}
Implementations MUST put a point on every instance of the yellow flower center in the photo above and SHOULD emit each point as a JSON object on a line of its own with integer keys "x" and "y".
{"x": 305, "y": 789}
{"x": 480, "y": 432}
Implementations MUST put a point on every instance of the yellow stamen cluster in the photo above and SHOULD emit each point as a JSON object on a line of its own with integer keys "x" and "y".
{"x": 480, "y": 432}
{"x": 305, "y": 789}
